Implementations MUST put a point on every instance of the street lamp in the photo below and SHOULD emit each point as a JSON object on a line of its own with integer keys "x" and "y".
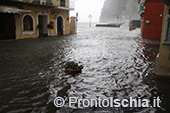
{"x": 90, "y": 16}
{"x": 118, "y": 19}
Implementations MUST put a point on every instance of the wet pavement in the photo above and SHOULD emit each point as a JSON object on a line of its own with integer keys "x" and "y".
{"x": 117, "y": 63}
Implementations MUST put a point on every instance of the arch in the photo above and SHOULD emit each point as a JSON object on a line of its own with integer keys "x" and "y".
{"x": 60, "y": 25}
{"x": 28, "y": 25}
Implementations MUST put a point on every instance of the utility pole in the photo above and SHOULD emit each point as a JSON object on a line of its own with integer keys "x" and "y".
{"x": 90, "y": 16}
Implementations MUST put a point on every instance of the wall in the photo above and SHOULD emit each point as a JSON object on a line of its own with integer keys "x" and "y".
{"x": 55, "y": 2}
{"x": 154, "y": 13}
{"x": 18, "y": 26}
{"x": 52, "y": 18}
{"x": 65, "y": 14}
{"x": 163, "y": 61}
{"x": 34, "y": 13}
{"x": 73, "y": 25}
{"x": 67, "y": 3}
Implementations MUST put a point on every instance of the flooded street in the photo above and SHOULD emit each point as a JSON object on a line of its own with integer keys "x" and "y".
{"x": 117, "y": 63}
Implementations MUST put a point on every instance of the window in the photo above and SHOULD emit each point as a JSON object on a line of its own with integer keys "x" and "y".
{"x": 62, "y": 3}
{"x": 28, "y": 23}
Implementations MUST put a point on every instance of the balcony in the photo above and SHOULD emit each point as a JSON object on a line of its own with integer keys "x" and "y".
{"x": 58, "y": 4}
{"x": 71, "y": 4}
{"x": 65, "y": 5}
{"x": 43, "y": 2}
{"x": 37, "y": 2}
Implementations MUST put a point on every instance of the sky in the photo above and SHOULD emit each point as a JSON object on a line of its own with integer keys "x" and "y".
{"x": 87, "y": 7}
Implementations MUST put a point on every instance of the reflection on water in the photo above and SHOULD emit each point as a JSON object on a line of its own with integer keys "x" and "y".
{"x": 117, "y": 63}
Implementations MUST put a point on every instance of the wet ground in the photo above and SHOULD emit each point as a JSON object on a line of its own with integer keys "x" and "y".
{"x": 117, "y": 63}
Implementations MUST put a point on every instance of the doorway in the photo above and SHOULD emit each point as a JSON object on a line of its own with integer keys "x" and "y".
{"x": 7, "y": 26}
{"x": 60, "y": 25}
{"x": 42, "y": 25}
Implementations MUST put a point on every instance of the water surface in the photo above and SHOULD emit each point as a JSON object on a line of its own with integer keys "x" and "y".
{"x": 117, "y": 63}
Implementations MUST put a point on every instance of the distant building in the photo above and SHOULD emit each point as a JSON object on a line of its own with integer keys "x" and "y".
{"x": 134, "y": 23}
{"x": 151, "y": 12}
{"x": 34, "y": 18}
{"x": 163, "y": 58}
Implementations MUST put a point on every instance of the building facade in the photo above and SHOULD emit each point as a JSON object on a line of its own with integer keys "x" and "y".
{"x": 163, "y": 58}
{"x": 34, "y": 18}
{"x": 151, "y": 12}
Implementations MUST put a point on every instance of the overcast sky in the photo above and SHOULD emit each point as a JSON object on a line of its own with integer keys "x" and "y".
{"x": 86, "y": 7}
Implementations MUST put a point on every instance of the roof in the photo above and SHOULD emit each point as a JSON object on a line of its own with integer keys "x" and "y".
{"x": 11, "y": 9}
{"x": 135, "y": 19}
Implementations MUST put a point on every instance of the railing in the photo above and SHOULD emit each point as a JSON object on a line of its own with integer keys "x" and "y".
{"x": 61, "y": 3}
{"x": 43, "y": 2}
{"x": 36, "y": 1}
{"x": 67, "y": 3}
{"x": 40, "y": 2}
{"x": 20, "y": 0}
{"x": 71, "y": 4}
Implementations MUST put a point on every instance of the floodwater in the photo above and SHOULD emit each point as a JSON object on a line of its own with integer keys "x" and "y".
{"x": 117, "y": 63}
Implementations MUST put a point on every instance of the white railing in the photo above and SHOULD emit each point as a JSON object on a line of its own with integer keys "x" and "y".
{"x": 71, "y": 3}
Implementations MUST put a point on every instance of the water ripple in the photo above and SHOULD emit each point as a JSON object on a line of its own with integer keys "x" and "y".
{"x": 116, "y": 62}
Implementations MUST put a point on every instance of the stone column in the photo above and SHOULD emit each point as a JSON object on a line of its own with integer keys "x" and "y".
{"x": 18, "y": 26}
{"x": 73, "y": 25}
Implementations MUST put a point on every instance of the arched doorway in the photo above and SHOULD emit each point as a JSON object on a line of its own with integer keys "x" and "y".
{"x": 60, "y": 25}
